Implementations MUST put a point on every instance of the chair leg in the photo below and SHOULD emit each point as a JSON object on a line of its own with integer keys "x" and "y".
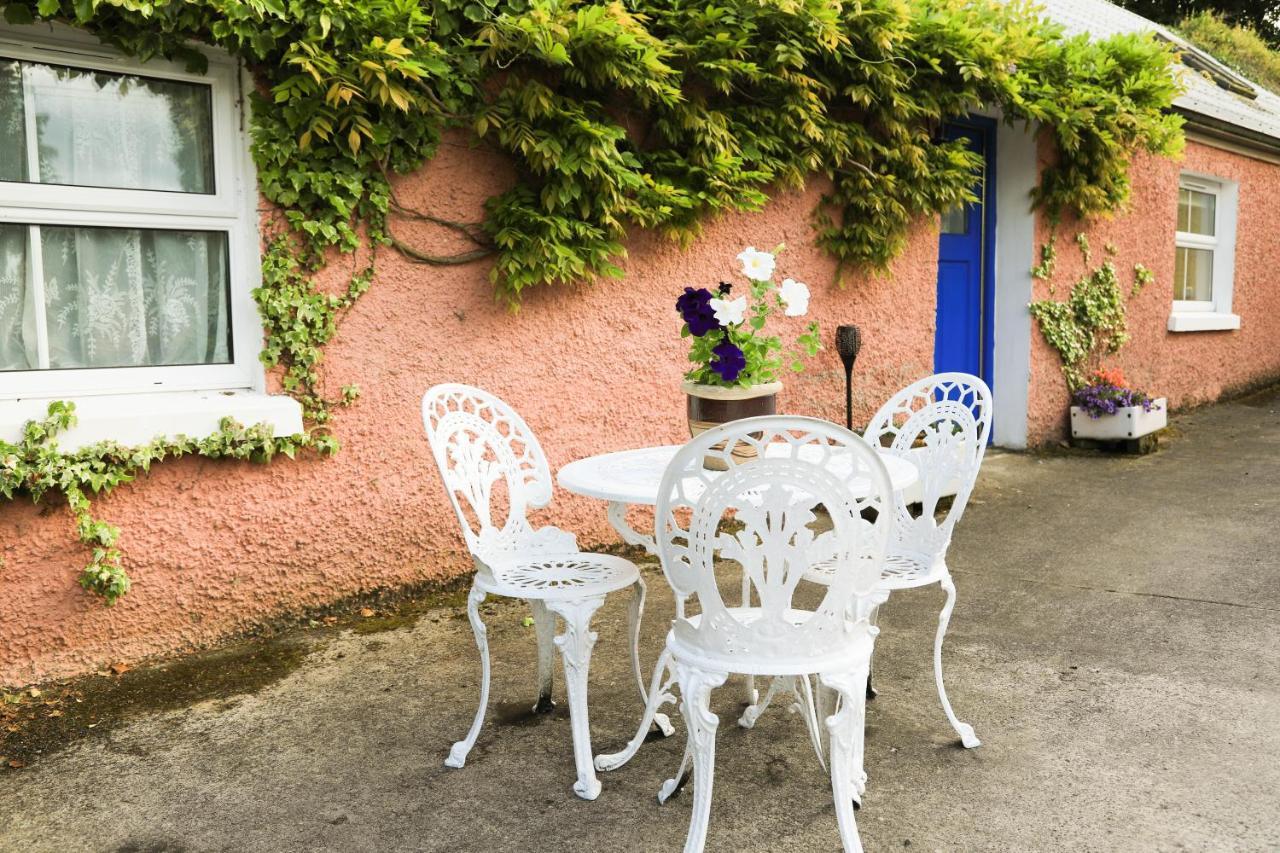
{"x": 695, "y": 705}
{"x": 575, "y": 652}
{"x": 659, "y": 695}
{"x": 458, "y": 753}
{"x": 875, "y": 620}
{"x": 750, "y": 696}
{"x": 844, "y": 730}
{"x": 544, "y": 623}
{"x": 673, "y": 784}
{"x": 967, "y": 736}
{"x": 755, "y": 711}
{"x": 637, "y": 614}
{"x": 808, "y": 707}
{"x": 638, "y": 594}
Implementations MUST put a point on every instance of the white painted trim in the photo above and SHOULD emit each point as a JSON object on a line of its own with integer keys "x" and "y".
{"x": 1215, "y": 315}
{"x": 1202, "y": 321}
{"x": 232, "y": 209}
{"x": 135, "y": 419}
{"x": 1016, "y": 177}
{"x": 224, "y": 90}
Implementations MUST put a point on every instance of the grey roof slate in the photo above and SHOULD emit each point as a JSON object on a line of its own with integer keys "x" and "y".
{"x": 1202, "y": 96}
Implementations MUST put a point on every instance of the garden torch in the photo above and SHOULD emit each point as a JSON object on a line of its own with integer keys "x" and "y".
{"x": 848, "y": 342}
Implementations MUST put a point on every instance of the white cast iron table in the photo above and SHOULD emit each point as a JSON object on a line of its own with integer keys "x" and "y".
{"x": 632, "y": 477}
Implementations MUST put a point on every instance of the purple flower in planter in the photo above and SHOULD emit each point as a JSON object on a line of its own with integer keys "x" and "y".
{"x": 695, "y": 308}
{"x": 729, "y": 360}
{"x": 1103, "y": 398}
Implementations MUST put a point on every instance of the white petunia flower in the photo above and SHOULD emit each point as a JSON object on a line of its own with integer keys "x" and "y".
{"x": 795, "y": 297}
{"x": 757, "y": 266}
{"x": 729, "y": 312}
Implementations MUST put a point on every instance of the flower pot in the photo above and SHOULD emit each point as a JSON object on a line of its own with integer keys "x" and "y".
{"x": 712, "y": 405}
{"x": 1129, "y": 422}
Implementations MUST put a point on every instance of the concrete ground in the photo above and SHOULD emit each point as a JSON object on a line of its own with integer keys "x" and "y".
{"x": 1116, "y": 645}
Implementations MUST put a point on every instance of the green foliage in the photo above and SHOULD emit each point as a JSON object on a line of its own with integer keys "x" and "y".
{"x": 1258, "y": 15}
{"x": 1102, "y": 100}
{"x": 36, "y": 466}
{"x": 1237, "y": 46}
{"x": 1048, "y": 261}
{"x": 1090, "y": 324}
{"x": 617, "y": 119}
{"x": 656, "y": 114}
{"x": 299, "y": 320}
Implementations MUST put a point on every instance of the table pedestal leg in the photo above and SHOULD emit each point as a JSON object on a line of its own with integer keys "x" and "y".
{"x": 618, "y": 518}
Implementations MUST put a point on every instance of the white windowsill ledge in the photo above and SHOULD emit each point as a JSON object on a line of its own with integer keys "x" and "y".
{"x": 1202, "y": 321}
{"x": 134, "y": 419}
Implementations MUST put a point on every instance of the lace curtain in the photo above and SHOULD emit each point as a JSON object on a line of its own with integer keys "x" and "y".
{"x": 111, "y": 297}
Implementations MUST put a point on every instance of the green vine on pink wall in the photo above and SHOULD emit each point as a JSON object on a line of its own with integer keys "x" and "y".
{"x": 657, "y": 114}
{"x": 1091, "y": 323}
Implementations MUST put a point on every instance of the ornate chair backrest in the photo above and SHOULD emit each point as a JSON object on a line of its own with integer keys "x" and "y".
{"x": 941, "y": 424}
{"x": 779, "y": 471}
{"x": 481, "y": 445}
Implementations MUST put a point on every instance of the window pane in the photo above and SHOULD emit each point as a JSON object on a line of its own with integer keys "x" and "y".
{"x": 124, "y": 297}
{"x": 954, "y": 220}
{"x": 17, "y": 302}
{"x": 1196, "y": 211}
{"x": 13, "y": 128}
{"x": 1193, "y": 275}
{"x": 113, "y": 130}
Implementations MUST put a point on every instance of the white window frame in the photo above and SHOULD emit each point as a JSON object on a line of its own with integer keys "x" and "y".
{"x": 1214, "y": 314}
{"x": 231, "y": 209}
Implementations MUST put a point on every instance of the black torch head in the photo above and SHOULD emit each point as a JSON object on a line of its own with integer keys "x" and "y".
{"x": 848, "y": 342}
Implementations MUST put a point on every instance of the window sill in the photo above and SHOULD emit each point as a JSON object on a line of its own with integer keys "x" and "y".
{"x": 1203, "y": 321}
{"x": 134, "y": 419}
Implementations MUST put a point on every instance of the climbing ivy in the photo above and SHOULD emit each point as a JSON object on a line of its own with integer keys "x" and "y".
{"x": 1090, "y": 324}
{"x": 656, "y": 114}
{"x": 653, "y": 114}
{"x": 37, "y": 466}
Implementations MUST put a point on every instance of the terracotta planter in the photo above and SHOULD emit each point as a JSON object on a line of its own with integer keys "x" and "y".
{"x": 711, "y": 405}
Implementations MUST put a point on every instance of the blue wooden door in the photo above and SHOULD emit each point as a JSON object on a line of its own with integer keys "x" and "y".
{"x": 963, "y": 340}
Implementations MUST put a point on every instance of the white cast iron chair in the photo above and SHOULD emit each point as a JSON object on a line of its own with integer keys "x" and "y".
{"x": 483, "y": 449}
{"x": 940, "y": 424}
{"x": 772, "y": 502}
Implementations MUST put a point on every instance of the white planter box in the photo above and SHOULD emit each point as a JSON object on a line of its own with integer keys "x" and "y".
{"x": 1127, "y": 423}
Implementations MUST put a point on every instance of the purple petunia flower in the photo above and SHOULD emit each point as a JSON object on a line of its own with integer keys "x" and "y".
{"x": 695, "y": 308}
{"x": 1103, "y": 398}
{"x": 729, "y": 360}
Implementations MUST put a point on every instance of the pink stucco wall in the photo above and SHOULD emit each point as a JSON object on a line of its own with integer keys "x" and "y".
{"x": 215, "y": 546}
{"x": 1187, "y": 367}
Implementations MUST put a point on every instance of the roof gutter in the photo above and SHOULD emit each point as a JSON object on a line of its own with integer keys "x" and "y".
{"x": 1213, "y": 129}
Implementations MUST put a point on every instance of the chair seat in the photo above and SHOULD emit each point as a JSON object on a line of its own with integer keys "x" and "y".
{"x": 558, "y": 576}
{"x": 900, "y": 571}
{"x": 840, "y": 658}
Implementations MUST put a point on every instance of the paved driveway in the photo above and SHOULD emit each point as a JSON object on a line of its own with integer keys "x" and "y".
{"x": 1116, "y": 645}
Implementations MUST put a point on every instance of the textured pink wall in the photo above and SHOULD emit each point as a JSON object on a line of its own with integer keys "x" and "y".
{"x": 214, "y": 547}
{"x": 1186, "y": 367}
